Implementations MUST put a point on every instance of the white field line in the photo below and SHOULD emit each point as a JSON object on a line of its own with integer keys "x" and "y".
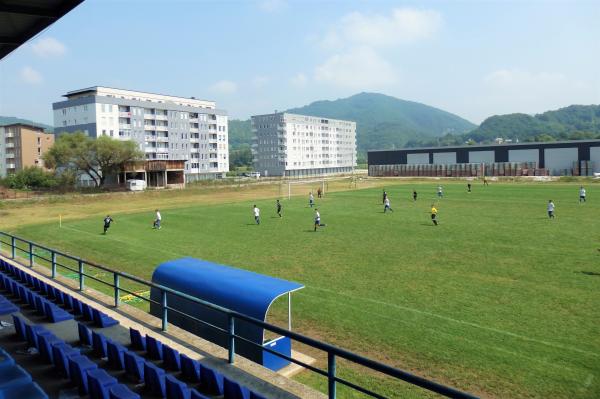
{"x": 467, "y": 323}
{"x": 406, "y": 308}
{"x": 436, "y": 331}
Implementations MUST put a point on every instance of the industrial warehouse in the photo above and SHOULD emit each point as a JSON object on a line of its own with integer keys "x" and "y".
{"x": 562, "y": 158}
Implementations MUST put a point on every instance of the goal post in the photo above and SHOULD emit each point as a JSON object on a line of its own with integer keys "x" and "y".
{"x": 303, "y": 187}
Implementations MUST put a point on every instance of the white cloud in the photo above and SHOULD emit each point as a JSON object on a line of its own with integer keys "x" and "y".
{"x": 402, "y": 25}
{"x": 299, "y": 80}
{"x": 360, "y": 68}
{"x": 224, "y": 87}
{"x": 49, "y": 47}
{"x": 260, "y": 81}
{"x": 272, "y": 5}
{"x": 30, "y": 75}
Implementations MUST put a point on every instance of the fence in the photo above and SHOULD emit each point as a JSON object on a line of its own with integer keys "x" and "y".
{"x": 16, "y": 245}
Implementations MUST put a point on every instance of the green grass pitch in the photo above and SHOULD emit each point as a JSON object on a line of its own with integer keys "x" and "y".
{"x": 496, "y": 300}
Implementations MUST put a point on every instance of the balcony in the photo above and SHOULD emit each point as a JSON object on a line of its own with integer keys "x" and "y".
{"x": 9, "y": 155}
{"x": 124, "y": 125}
{"x": 194, "y": 130}
{"x": 159, "y": 117}
{"x": 10, "y": 134}
{"x": 194, "y": 140}
{"x": 124, "y": 114}
{"x": 10, "y": 145}
{"x": 149, "y": 116}
{"x": 162, "y": 150}
{"x": 162, "y": 128}
{"x": 10, "y": 166}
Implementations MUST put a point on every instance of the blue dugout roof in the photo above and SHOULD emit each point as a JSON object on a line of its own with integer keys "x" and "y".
{"x": 246, "y": 292}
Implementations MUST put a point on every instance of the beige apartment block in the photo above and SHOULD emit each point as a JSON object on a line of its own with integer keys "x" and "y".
{"x": 22, "y": 145}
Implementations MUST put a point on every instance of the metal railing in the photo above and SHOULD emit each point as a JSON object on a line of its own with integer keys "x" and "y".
{"x": 14, "y": 244}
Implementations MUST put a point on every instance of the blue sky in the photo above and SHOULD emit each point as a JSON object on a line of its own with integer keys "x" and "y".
{"x": 472, "y": 58}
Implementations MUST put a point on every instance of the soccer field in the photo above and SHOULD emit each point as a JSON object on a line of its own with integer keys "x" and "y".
{"x": 497, "y": 300}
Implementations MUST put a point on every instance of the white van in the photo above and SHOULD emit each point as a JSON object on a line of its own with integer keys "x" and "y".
{"x": 136, "y": 185}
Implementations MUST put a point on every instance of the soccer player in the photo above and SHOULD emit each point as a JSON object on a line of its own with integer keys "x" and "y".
{"x": 157, "y": 220}
{"x": 414, "y": 195}
{"x": 278, "y": 204}
{"x": 311, "y": 199}
{"x": 550, "y": 209}
{"x": 256, "y": 214}
{"x": 107, "y": 221}
{"x": 581, "y": 194}
{"x": 468, "y": 187}
{"x": 384, "y": 196}
{"x": 434, "y": 214}
{"x": 440, "y": 192}
{"x": 386, "y": 206}
{"x": 319, "y": 193}
{"x": 485, "y": 182}
{"x": 317, "y": 219}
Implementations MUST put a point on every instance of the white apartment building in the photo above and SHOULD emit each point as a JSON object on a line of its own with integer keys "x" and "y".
{"x": 300, "y": 145}
{"x": 165, "y": 127}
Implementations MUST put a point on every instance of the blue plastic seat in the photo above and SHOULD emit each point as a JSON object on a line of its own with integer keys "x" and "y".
{"x": 45, "y": 341}
{"x": 190, "y": 369}
{"x": 27, "y": 391}
{"x": 121, "y": 391}
{"x": 197, "y": 395}
{"x": 115, "y": 353}
{"x": 79, "y": 366}
{"x": 59, "y": 296}
{"x": 5, "y": 360}
{"x": 86, "y": 311}
{"x": 154, "y": 348}
{"x": 171, "y": 360}
{"x": 176, "y": 389}
{"x": 8, "y": 308}
{"x": 154, "y": 379}
{"x": 77, "y": 307}
{"x": 98, "y": 344}
{"x": 254, "y": 395}
{"x": 85, "y": 335}
{"x": 19, "y": 328}
{"x": 61, "y": 352}
{"x": 138, "y": 342}
{"x": 31, "y": 332}
{"x": 134, "y": 366}
{"x": 101, "y": 319}
{"x": 39, "y": 304}
{"x": 22, "y": 292}
{"x": 12, "y": 377}
{"x": 211, "y": 380}
{"x": 233, "y": 390}
{"x": 56, "y": 314}
{"x": 67, "y": 301}
{"x": 99, "y": 383}
{"x": 51, "y": 292}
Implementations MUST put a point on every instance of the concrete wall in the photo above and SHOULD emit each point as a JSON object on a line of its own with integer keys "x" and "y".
{"x": 481, "y": 156}
{"x": 595, "y": 158}
{"x": 532, "y": 155}
{"x": 559, "y": 158}
{"x": 444, "y": 158}
{"x": 417, "y": 158}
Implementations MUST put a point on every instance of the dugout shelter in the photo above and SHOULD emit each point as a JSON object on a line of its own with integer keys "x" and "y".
{"x": 245, "y": 292}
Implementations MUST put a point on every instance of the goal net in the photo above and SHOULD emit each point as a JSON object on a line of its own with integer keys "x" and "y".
{"x": 324, "y": 185}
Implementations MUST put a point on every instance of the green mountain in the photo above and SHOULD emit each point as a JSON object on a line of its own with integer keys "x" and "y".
{"x": 381, "y": 121}
{"x": 9, "y": 120}
{"x": 384, "y": 122}
{"x": 570, "y": 123}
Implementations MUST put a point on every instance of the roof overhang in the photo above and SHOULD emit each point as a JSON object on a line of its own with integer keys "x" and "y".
{"x": 20, "y": 20}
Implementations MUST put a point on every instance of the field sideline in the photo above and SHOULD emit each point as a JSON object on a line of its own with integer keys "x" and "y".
{"x": 497, "y": 300}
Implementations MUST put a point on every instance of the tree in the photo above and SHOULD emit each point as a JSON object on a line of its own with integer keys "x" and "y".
{"x": 240, "y": 157}
{"x": 97, "y": 158}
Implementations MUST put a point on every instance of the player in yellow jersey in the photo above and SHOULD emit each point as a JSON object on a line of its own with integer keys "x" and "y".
{"x": 434, "y": 214}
